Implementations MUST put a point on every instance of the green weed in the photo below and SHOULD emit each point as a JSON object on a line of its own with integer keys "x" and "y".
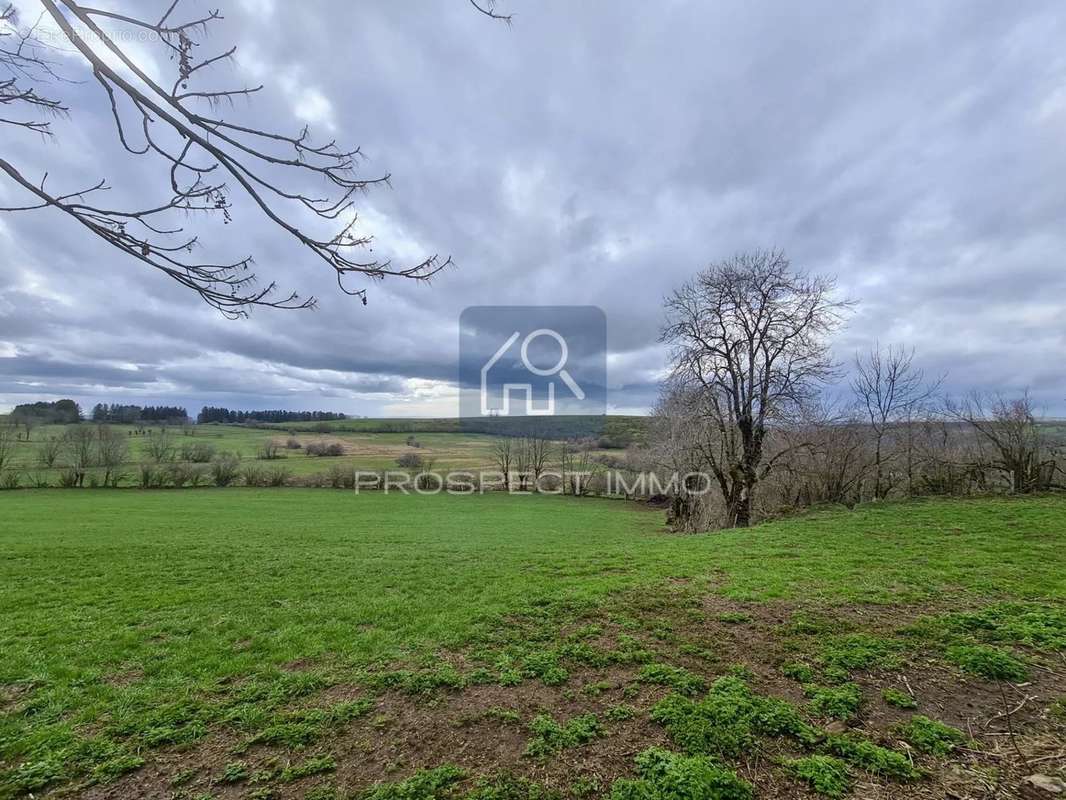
{"x": 835, "y": 702}
{"x": 987, "y": 662}
{"x": 825, "y": 774}
{"x": 728, "y": 719}
{"x": 679, "y": 678}
{"x": 930, "y": 736}
{"x": 871, "y": 757}
{"x": 549, "y": 737}
{"x": 894, "y": 697}
{"x": 670, "y": 776}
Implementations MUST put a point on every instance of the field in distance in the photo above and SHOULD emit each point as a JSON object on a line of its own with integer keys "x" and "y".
{"x": 294, "y": 643}
{"x": 363, "y": 444}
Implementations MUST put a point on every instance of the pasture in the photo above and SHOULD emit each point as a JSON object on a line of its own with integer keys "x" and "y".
{"x": 291, "y": 643}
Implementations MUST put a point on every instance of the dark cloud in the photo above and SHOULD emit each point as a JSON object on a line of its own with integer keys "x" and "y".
{"x": 590, "y": 154}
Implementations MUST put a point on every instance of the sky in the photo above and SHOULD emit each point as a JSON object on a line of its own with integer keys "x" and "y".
{"x": 595, "y": 153}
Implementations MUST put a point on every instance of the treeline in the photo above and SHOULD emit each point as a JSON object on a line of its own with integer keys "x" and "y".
{"x": 59, "y": 412}
{"x": 214, "y": 414}
{"x": 745, "y": 417}
{"x": 129, "y": 414}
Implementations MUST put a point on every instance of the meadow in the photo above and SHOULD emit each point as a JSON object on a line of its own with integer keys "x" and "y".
{"x": 361, "y": 444}
{"x": 291, "y": 643}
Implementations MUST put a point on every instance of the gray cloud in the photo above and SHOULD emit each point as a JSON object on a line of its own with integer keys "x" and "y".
{"x": 590, "y": 154}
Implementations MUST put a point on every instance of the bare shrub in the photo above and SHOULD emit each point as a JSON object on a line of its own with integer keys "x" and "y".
{"x": 292, "y": 443}
{"x": 8, "y": 437}
{"x": 48, "y": 451}
{"x": 324, "y": 449}
{"x": 225, "y": 467}
{"x": 112, "y": 448}
{"x": 160, "y": 446}
{"x": 410, "y": 461}
{"x": 182, "y": 474}
{"x": 153, "y": 476}
{"x": 341, "y": 476}
{"x": 10, "y": 479}
{"x": 270, "y": 451}
{"x": 253, "y": 476}
{"x": 197, "y": 452}
{"x": 277, "y": 476}
{"x": 78, "y": 454}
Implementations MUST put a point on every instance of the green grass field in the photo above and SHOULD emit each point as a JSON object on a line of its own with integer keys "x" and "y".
{"x": 366, "y": 447}
{"x": 297, "y": 643}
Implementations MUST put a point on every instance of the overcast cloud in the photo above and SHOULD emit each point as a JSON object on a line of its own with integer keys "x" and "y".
{"x": 593, "y": 153}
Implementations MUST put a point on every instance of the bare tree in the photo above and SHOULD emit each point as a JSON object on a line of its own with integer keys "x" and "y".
{"x": 203, "y": 153}
{"x": 111, "y": 451}
{"x": 1010, "y": 429}
{"x": 539, "y": 449}
{"x": 579, "y": 468}
{"x": 8, "y": 437}
{"x": 889, "y": 389}
{"x": 160, "y": 446}
{"x": 78, "y": 453}
{"x": 503, "y": 452}
{"x": 49, "y": 449}
{"x": 521, "y": 458}
{"x": 749, "y": 339}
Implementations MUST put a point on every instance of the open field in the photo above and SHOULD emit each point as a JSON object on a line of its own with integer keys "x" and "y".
{"x": 362, "y": 450}
{"x": 293, "y": 643}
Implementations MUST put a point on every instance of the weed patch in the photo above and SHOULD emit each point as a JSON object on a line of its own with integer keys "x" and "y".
{"x": 549, "y": 737}
{"x": 670, "y": 776}
{"x": 825, "y": 774}
{"x": 728, "y": 719}
{"x": 679, "y": 678}
{"x": 427, "y": 784}
{"x": 987, "y": 662}
{"x": 897, "y": 699}
{"x": 930, "y": 736}
{"x": 835, "y": 702}
{"x": 872, "y": 757}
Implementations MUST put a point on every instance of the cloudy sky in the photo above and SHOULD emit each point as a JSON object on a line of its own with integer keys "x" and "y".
{"x": 591, "y": 153}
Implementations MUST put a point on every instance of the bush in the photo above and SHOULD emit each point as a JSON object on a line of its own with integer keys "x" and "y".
{"x": 341, "y": 476}
{"x": 181, "y": 474}
{"x": 10, "y": 480}
{"x": 253, "y": 476}
{"x": 327, "y": 449}
{"x": 409, "y": 461}
{"x": 70, "y": 478}
{"x": 278, "y": 476}
{"x": 224, "y": 469}
{"x": 197, "y": 452}
{"x": 270, "y": 451}
{"x": 292, "y": 443}
{"x": 152, "y": 477}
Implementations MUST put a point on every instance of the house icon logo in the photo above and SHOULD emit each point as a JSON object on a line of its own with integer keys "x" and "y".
{"x": 537, "y": 362}
{"x": 508, "y": 389}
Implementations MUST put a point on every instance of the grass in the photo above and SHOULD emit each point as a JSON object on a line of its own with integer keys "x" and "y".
{"x": 135, "y": 620}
